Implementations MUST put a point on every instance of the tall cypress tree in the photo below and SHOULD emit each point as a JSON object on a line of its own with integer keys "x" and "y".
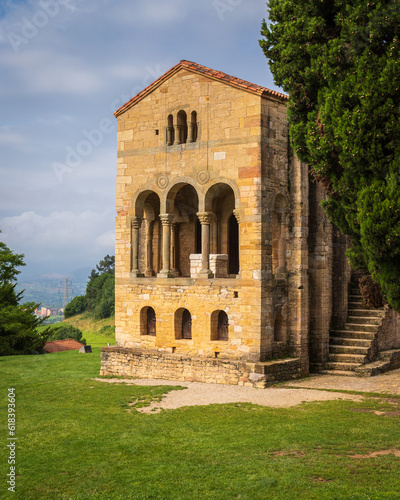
{"x": 339, "y": 62}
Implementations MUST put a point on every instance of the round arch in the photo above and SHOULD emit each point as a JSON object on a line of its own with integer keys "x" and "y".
{"x": 139, "y": 199}
{"x": 177, "y": 185}
{"x": 219, "y": 189}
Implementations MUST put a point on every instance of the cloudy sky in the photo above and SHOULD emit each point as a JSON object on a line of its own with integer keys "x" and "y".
{"x": 66, "y": 66}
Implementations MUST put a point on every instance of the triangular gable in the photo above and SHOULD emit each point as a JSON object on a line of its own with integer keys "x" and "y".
{"x": 203, "y": 70}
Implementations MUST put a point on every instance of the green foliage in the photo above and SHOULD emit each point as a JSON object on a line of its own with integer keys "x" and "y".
{"x": 67, "y": 331}
{"x": 9, "y": 261}
{"x": 18, "y": 323}
{"x": 339, "y": 62}
{"x": 99, "y": 298}
{"x": 338, "y": 450}
{"x": 76, "y": 306}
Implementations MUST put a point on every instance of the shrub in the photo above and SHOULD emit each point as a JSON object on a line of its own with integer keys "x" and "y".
{"x": 67, "y": 332}
{"x": 76, "y": 306}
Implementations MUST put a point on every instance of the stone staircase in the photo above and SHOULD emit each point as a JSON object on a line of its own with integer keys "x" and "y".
{"x": 355, "y": 345}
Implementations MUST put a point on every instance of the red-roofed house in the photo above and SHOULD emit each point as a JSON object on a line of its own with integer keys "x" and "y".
{"x": 62, "y": 345}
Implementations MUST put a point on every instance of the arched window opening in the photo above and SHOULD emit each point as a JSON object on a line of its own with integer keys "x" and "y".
{"x": 183, "y": 204}
{"x": 233, "y": 245}
{"x": 223, "y": 326}
{"x": 192, "y": 136}
{"x": 151, "y": 321}
{"x": 186, "y": 325}
{"x": 182, "y": 126}
{"x": 183, "y": 324}
{"x": 279, "y": 328}
{"x": 219, "y": 326}
{"x": 170, "y": 131}
{"x": 148, "y": 321}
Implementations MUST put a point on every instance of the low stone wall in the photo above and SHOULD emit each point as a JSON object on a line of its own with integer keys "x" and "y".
{"x": 389, "y": 333}
{"x": 123, "y": 361}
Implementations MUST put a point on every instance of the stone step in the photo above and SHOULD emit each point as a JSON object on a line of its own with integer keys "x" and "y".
{"x": 355, "y": 298}
{"x": 354, "y": 334}
{"x": 363, "y": 342}
{"x": 364, "y": 320}
{"x": 358, "y": 327}
{"x": 356, "y": 304}
{"x": 373, "y": 313}
{"x": 348, "y": 358}
{"x": 349, "y": 349}
{"x": 336, "y": 366}
{"x": 343, "y": 373}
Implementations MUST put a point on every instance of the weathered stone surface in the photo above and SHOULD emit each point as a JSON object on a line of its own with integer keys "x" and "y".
{"x": 215, "y": 215}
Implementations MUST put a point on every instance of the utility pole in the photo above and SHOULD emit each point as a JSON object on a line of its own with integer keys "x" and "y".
{"x": 67, "y": 284}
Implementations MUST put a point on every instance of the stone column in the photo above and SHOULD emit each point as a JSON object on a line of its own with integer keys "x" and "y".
{"x": 166, "y": 221}
{"x": 239, "y": 219}
{"x": 149, "y": 248}
{"x": 175, "y": 249}
{"x": 205, "y": 219}
{"x": 135, "y": 226}
{"x": 190, "y": 132}
{"x": 177, "y": 129}
{"x": 169, "y": 136}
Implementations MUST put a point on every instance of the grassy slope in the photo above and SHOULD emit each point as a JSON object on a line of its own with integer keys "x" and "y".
{"x": 78, "y": 438}
{"x": 97, "y": 333}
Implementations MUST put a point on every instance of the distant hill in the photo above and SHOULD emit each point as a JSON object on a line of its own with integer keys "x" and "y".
{"x": 48, "y": 289}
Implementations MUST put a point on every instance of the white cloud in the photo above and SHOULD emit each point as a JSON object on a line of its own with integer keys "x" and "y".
{"x": 7, "y": 136}
{"x": 49, "y": 72}
{"x": 70, "y": 238}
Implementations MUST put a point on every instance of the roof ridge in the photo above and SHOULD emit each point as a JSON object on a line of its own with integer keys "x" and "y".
{"x": 212, "y": 73}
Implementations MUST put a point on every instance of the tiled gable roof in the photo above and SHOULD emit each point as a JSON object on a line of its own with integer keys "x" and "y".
{"x": 62, "y": 345}
{"x": 211, "y": 73}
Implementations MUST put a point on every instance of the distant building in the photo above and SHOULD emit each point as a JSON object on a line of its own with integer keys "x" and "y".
{"x": 43, "y": 312}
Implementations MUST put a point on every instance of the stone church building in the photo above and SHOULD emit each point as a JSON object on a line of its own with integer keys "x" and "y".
{"x": 227, "y": 269}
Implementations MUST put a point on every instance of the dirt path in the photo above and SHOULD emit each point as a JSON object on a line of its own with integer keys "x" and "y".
{"x": 314, "y": 388}
{"x": 197, "y": 393}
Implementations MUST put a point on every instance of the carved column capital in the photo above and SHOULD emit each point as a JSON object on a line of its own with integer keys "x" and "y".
{"x": 136, "y": 222}
{"x": 205, "y": 217}
{"x": 166, "y": 219}
{"x": 238, "y": 214}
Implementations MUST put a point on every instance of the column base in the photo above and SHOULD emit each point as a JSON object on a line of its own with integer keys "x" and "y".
{"x": 136, "y": 274}
{"x": 281, "y": 273}
{"x": 149, "y": 273}
{"x": 205, "y": 274}
{"x": 165, "y": 274}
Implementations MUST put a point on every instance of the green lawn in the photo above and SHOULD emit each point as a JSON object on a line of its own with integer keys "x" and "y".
{"x": 78, "y": 438}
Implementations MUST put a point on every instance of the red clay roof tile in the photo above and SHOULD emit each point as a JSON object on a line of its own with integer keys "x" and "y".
{"x": 198, "y": 68}
{"x": 62, "y": 345}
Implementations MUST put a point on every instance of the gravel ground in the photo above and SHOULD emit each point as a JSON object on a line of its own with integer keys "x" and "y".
{"x": 313, "y": 388}
{"x": 197, "y": 393}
